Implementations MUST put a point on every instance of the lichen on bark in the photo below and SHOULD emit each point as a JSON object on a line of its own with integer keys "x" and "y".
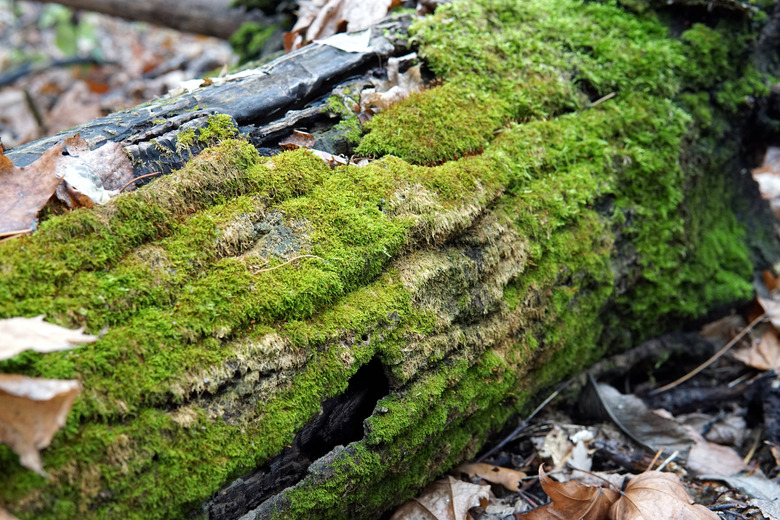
{"x": 508, "y": 225}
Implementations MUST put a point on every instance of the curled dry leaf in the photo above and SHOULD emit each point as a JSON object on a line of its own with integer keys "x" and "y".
{"x": 572, "y": 500}
{"x": 297, "y": 139}
{"x": 83, "y": 177}
{"x": 398, "y": 85}
{"x": 509, "y": 478}
{"x": 31, "y": 412}
{"x": 445, "y": 499}
{"x": 20, "y": 334}
{"x": 24, "y": 191}
{"x": 772, "y": 308}
{"x": 319, "y": 19}
{"x": 332, "y": 160}
{"x": 654, "y": 495}
{"x": 768, "y": 178}
{"x": 763, "y": 354}
{"x": 91, "y": 177}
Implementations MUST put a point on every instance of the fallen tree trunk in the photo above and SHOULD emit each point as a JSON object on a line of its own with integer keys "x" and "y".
{"x": 290, "y": 340}
{"x": 209, "y": 17}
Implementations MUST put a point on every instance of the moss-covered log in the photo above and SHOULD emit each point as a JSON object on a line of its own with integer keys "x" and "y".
{"x": 511, "y": 231}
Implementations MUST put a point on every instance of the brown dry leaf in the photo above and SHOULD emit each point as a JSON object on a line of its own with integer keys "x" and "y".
{"x": 572, "y": 500}
{"x": 763, "y": 354}
{"x": 20, "y": 334}
{"x": 319, "y": 19}
{"x": 24, "y": 191}
{"x": 555, "y": 448}
{"x": 709, "y": 458}
{"x": 723, "y": 329}
{"x": 509, "y": 478}
{"x": 445, "y": 499}
{"x": 768, "y": 178}
{"x": 653, "y": 495}
{"x": 770, "y": 280}
{"x": 92, "y": 176}
{"x": 332, "y": 160}
{"x": 31, "y": 412}
{"x": 297, "y": 139}
{"x": 5, "y": 515}
{"x": 772, "y": 308}
{"x": 398, "y": 86}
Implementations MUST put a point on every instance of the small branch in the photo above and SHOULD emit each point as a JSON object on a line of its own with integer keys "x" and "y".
{"x": 8, "y": 235}
{"x": 673, "y": 456}
{"x": 602, "y": 99}
{"x": 714, "y": 358}
{"x": 287, "y": 262}
{"x": 138, "y": 179}
{"x": 523, "y": 423}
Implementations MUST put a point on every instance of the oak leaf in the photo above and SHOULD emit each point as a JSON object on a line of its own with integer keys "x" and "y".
{"x": 297, "y": 139}
{"x": 24, "y": 191}
{"x": 654, "y": 495}
{"x": 572, "y": 500}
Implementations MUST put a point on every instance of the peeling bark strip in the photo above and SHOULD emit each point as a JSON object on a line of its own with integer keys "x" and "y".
{"x": 504, "y": 237}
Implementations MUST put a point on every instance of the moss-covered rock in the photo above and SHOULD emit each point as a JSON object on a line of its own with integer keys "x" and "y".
{"x": 512, "y": 231}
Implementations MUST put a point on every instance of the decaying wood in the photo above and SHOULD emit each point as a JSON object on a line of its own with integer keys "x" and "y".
{"x": 263, "y": 102}
{"x": 465, "y": 252}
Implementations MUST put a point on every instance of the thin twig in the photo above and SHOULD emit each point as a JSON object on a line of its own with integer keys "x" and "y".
{"x": 523, "y": 423}
{"x": 10, "y": 235}
{"x": 714, "y": 358}
{"x": 287, "y": 262}
{"x": 752, "y": 451}
{"x": 138, "y": 179}
{"x": 15, "y": 232}
{"x": 655, "y": 459}
{"x": 667, "y": 461}
{"x": 602, "y": 99}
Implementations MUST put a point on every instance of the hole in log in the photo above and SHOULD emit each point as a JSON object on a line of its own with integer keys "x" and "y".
{"x": 340, "y": 423}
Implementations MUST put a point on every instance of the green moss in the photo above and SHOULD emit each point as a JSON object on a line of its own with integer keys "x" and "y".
{"x": 249, "y": 39}
{"x": 485, "y": 255}
{"x": 419, "y": 129}
{"x": 218, "y": 127}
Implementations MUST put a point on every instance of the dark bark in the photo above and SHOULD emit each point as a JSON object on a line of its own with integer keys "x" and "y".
{"x": 210, "y": 17}
{"x": 265, "y": 104}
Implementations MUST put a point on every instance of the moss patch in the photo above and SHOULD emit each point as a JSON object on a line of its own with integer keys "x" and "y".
{"x": 506, "y": 216}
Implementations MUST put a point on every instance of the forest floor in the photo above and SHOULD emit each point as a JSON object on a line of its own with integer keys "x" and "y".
{"x": 59, "y": 69}
{"x": 719, "y": 429}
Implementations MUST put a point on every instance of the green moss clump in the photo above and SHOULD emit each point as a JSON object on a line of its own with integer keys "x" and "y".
{"x": 218, "y": 127}
{"x": 248, "y": 41}
{"x": 420, "y": 130}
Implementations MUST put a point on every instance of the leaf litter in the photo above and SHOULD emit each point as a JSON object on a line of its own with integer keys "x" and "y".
{"x": 319, "y": 19}
{"x": 33, "y": 409}
{"x": 78, "y": 176}
{"x": 652, "y": 451}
